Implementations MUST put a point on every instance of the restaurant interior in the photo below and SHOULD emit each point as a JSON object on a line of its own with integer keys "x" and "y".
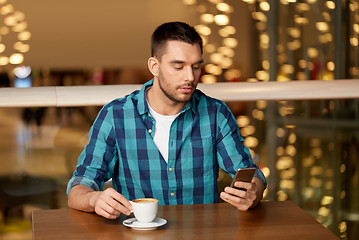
{"x": 307, "y": 149}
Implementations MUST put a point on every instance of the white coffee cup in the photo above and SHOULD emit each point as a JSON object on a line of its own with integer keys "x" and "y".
{"x": 145, "y": 209}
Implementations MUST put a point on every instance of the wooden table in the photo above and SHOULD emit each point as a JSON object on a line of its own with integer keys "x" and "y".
{"x": 270, "y": 220}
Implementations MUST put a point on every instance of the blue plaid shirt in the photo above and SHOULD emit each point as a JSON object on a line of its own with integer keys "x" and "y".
{"x": 203, "y": 137}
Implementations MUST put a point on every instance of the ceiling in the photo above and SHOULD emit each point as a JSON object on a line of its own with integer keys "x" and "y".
{"x": 111, "y": 33}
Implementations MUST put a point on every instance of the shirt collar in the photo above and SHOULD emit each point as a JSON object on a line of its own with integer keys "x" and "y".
{"x": 142, "y": 105}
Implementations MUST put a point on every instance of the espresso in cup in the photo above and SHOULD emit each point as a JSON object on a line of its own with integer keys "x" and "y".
{"x": 145, "y": 200}
{"x": 145, "y": 209}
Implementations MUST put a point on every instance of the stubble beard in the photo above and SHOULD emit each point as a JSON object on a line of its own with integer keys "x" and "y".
{"x": 170, "y": 95}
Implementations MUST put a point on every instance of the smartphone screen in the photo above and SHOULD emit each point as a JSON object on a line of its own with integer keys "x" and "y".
{"x": 244, "y": 175}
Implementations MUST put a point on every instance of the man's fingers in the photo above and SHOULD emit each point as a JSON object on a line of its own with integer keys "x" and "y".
{"x": 240, "y": 203}
{"x": 117, "y": 208}
{"x": 123, "y": 202}
{"x": 111, "y": 204}
{"x": 104, "y": 213}
{"x": 241, "y": 199}
{"x": 237, "y": 192}
{"x": 105, "y": 206}
{"x": 244, "y": 185}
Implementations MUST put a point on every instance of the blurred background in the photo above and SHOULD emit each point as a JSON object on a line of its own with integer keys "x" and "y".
{"x": 307, "y": 149}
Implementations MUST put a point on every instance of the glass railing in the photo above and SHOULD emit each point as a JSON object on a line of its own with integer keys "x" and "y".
{"x": 303, "y": 134}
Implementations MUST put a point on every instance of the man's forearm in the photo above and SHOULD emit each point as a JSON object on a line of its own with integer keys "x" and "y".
{"x": 82, "y": 197}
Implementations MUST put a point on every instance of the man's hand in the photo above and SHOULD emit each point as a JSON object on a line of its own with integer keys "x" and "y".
{"x": 243, "y": 200}
{"x": 108, "y": 203}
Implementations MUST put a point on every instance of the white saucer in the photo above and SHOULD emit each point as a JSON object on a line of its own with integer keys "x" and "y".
{"x": 134, "y": 224}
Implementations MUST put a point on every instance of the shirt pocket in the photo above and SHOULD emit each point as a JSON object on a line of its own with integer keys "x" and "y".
{"x": 202, "y": 147}
{"x": 197, "y": 155}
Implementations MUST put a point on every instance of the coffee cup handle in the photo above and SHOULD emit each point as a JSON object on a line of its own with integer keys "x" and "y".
{"x": 132, "y": 207}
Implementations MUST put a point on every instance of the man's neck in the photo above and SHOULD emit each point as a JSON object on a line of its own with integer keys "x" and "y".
{"x": 160, "y": 103}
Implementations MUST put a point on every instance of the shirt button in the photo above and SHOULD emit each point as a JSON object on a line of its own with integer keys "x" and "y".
{"x": 150, "y": 131}
{"x": 172, "y": 194}
{"x": 170, "y": 169}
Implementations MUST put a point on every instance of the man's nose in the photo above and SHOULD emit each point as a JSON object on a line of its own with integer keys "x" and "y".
{"x": 189, "y": 74}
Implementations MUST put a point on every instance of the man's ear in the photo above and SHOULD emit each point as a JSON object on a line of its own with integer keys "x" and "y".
{"x": 153, "y": 66}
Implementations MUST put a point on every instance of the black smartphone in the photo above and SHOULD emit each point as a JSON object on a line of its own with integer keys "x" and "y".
{"x": 244, "y": 175}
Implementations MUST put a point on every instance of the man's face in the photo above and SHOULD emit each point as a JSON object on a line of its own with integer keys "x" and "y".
{"x": 179, "y": 70}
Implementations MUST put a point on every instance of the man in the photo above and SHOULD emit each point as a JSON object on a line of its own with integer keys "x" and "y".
{"x": 165, "y": 141}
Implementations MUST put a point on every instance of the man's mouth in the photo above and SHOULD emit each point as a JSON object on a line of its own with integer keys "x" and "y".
{"x": 186, "y": 89}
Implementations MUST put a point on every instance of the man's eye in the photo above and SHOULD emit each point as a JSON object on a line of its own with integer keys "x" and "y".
{"x": 178, "y": 67}
{"x": 196, "y": 67}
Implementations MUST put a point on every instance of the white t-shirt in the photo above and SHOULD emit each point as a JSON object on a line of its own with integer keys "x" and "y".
{"x": 162, "y": 131}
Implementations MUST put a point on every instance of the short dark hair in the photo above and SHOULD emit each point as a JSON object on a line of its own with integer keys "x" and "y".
{"x": 177, "y": 31}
